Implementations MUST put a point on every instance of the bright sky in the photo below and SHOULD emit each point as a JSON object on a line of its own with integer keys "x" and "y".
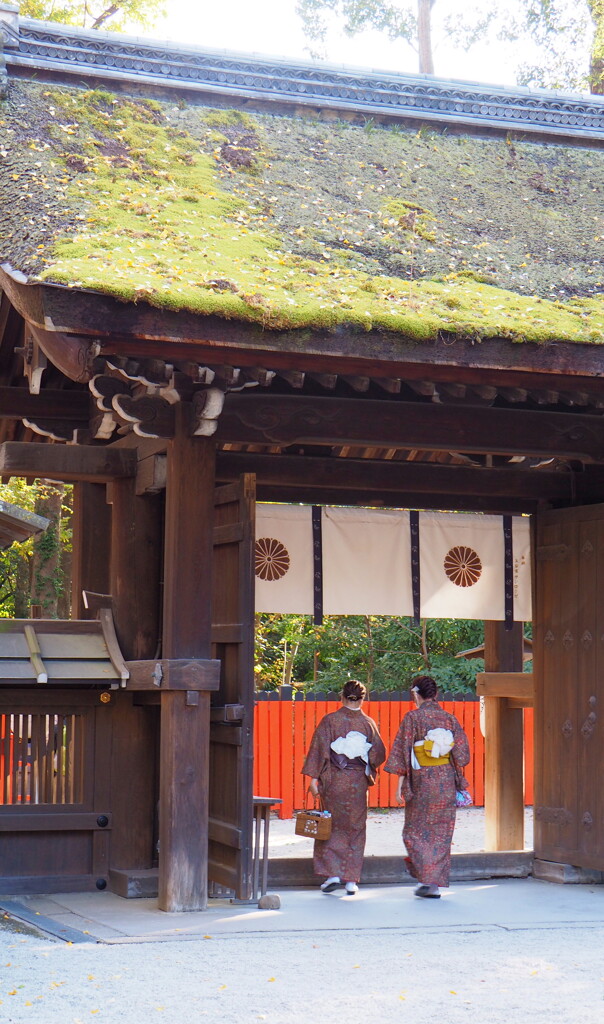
{"x": 272, "y": 27}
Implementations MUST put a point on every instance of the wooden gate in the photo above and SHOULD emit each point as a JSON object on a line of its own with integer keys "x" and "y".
{"x": 55, "y": 814}
{"x": 568, "y": 669}
{"x": 232, "y": 714}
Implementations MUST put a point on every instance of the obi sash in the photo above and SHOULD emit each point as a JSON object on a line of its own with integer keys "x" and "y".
{"x": 421, "y": 750}
{"x": 345, "y": 763}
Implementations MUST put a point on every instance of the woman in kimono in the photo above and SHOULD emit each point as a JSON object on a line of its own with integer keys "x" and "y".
{"x": 342, "y": 761}
{"x": 428, "y": 754}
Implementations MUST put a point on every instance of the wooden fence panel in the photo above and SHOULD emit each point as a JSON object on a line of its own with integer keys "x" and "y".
{"x": 284, "y": 728}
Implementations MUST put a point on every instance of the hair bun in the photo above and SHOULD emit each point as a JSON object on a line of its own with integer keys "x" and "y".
{"x": 354, "y": 690}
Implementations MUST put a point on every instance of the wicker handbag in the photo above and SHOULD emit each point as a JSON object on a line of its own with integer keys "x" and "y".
{"x": 314, "y": 823}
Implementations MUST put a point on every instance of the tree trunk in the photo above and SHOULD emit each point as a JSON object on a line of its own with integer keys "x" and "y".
{"x": 596, "y": 64}
{"x": 370, "y": 653}
{"x": 288, "y": 667}
{"x": 65, "y": 565}
{"x": 596, "y": 76}
{"x": 22, "y": 588}
{"x": 47, "y": 577}
{"x": 425, "y": 652}
{"x": 424, "y": 36}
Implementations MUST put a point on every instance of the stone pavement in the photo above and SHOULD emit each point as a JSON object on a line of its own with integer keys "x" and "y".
{"x": 491, "y": 905}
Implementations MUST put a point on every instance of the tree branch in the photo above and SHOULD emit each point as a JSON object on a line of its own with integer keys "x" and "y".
{"x": 102, "y": 18}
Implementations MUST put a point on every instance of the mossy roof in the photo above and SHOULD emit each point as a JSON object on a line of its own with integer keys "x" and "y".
{"x": 295, "y": 222}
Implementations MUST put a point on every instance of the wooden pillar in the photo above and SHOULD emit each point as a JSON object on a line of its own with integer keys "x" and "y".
{"x": 504, "y": 744}
{"x": 134, "y": 571}
{"x": 135, "y": 568}
{"x": 91, "y": 523}
{"x": 185, "y": 716}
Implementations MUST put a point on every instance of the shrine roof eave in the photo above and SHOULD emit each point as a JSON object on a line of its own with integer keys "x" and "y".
{"x": 75, "y": 327}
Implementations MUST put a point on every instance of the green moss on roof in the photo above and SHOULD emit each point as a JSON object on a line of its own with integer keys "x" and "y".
{"x": 297, "y": 223}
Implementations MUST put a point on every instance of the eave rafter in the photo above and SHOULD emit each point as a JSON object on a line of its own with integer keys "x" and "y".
{"x": 320, "y": 421}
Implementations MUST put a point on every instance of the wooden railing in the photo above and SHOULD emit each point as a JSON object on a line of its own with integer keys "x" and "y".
{"x": 284, "y": 727}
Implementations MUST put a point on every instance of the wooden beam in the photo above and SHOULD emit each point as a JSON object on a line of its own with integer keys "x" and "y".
{"x": 505, "y": 684}
{"x": 297, "y": 419}
{"x": 504, "y": 744}
{"x": 423, "y": 478}
{"x": 51, "y": 404}
{"x": 174, "y": 674}
{"x": 398, "y": 499}
{"x": 66, "y": 462}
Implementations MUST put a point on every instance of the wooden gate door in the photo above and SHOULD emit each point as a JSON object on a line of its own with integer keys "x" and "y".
{"x": 232, "y": 715}
{"x": 569, "y": 691}
{"x": 55, "y": 814}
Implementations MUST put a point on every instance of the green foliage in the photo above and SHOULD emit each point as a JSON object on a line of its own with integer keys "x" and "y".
{"x": 384, "y": 653}
{"x": 97, "y": 14}
{"x": 567, "y": 35}
{"x": 398, "y": 20}
{"x": 33, "y": 572}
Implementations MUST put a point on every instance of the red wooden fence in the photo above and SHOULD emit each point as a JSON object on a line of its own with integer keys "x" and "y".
{"x": 283, "y": 729}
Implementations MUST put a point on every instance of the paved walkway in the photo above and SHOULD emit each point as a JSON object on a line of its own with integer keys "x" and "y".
{"x": 102, "y": 916}
{"x": 508, "y": 904}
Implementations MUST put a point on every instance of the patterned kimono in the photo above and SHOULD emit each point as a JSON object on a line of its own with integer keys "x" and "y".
{"x": 429, "y": 792}
{"x": 344, "y": 792}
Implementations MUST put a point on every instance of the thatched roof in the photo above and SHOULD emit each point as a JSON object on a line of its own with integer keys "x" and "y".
{"x": 290, "y": 221}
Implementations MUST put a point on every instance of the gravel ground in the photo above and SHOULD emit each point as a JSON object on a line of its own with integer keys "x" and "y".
{"x": 504, "y": 969}
{"x": 384, "y": 830}
{"x": 489, "y": 976}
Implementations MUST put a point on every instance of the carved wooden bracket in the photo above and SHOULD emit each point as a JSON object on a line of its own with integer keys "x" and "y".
{"x": 104, "y": 387}
{"x": 150, "y": 416}
{"x": 34, "y": 362}
{"x": 56, "y": 429}
{"x": 207, "y": 406}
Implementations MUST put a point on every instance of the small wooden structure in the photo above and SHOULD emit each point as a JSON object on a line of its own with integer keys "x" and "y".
{"x": 216, "y": 340}
{"x": 17, "y": 524}
{"x": 61, "y": 694}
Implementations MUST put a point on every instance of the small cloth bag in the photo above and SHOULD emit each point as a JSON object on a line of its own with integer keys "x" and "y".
{"x": 314, "y": 823}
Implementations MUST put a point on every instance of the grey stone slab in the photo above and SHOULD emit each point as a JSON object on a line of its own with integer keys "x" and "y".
{"x": 488, "y": 905}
